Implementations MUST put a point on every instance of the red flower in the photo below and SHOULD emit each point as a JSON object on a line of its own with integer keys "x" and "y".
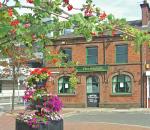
{"x": 103, "y": 16}
{"x": 49, "y": 73}
{"x": 55, "y": 52}
{"x": 34, "y": 71}
{"x": 88, "y": 12}
{"x": 93, "y": 33}
{"x": 1, "y": 5}
{"x": 66, "y": 1}
{"x": 27, "y": 25}
{"x": 30, "y": 1}
{"x": 113, "y": 32}
{"x": 39, "y": 72}
{"x": 70, "y": 7}
{"x": 44, "y": 70}
{"x": 13, "y": 31}
{"x": 10, "y": 12}
{"x": 14, "y": 22}
{"x": 54, "y": 60}
{"x": 33, "y": 37}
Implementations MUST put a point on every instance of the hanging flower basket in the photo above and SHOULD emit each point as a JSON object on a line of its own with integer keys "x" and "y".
{"x": 38, "y": 77}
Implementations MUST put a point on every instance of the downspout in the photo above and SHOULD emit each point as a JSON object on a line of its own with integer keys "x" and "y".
{"x": 142, "y": 82}
{"x": 104, "y": 52}
{"x": 147, "y": 105}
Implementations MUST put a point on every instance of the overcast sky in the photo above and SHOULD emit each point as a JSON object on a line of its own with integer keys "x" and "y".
{"x": 129, "y": 9}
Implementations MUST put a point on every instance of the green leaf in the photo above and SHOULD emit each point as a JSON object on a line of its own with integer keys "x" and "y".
{"x": 110, "y": 17}
{"x": 37, "y": 2}
{"x": 17, "y": 3}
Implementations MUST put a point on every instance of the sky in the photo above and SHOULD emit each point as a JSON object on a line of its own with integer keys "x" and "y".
{"x": 129, "y": 9}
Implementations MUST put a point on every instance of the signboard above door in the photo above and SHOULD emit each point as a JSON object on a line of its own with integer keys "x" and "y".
{"x": 92, "y": 68}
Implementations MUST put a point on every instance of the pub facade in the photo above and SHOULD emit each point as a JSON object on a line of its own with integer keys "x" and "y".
{"x": 110, "y": 72}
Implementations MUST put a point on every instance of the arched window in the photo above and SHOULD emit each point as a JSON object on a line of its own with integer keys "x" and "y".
{"x": 92, "y": 84}
{"x": 63, "y": 85}
{"x": 121, "y": 84}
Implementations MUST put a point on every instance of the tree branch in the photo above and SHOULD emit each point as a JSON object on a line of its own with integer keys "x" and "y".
{"x": 31, "y": 7}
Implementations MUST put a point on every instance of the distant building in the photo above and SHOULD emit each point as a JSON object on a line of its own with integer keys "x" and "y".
{"x": 110, "y": 72}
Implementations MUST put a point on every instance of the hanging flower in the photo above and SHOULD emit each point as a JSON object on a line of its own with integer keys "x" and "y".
{"x": 30, "y": 1}
{"x": 38, "y": 75}
{"x": 103, "y": 16}
{"x": 14, "y": 23}
{"x": 70, "y": 7}
{"x": 66, "y": 1}
{"x": 28, "y": 95}
{"x": 10, "y": 12}
{"x": 1, "y": 5}
{"x": 27, "y": 25}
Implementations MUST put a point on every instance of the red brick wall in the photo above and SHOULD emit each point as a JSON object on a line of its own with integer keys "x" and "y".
{"x": 107, "y": 99}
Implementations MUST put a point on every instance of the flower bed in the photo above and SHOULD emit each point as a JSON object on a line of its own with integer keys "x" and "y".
{"x": 46, "y": 106}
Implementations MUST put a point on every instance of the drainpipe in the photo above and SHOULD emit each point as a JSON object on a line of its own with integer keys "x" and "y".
{"x": 147, "y": 91}
{"x": 142, "y": 82}
{"x": 104, "y": 52}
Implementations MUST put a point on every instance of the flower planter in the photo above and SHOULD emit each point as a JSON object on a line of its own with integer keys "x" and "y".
{"x": 41, "y": 83}
{"x": 52, "y": 125}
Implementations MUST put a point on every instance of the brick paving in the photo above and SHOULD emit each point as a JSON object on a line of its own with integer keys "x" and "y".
{"x": 7, "y": 122}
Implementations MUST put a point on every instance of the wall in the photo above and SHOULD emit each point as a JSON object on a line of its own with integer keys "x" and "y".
{"x": 107, "y": 99}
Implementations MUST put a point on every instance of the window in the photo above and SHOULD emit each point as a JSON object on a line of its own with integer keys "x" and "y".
{"x": 92, "y": 85}
{"x": 64, "y": 87}
{"x": 92, "y": 55}
{"x": 121, "y": 53}
{"x": 121, "y": 84}
{"x": 68, "y": 55}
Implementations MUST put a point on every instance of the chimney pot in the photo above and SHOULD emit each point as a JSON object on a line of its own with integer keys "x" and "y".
{"x": 145, "y": 13}
{"x": 145, "y": 1}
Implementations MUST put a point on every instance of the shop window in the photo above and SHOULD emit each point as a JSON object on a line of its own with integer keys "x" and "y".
{"x": 121, "y": 53}
{"x": 68, "y": 55}
{"x": 92, "y": 84}
{"x": 121, "y": 84}
{"x": 92, "y": 55}
{"x": 64, "y": 86}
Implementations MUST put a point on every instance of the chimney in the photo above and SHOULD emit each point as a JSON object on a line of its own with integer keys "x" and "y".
{"x": 145, "y": 13}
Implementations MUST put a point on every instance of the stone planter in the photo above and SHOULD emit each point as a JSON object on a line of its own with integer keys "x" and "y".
{"x": 52, "y": 125}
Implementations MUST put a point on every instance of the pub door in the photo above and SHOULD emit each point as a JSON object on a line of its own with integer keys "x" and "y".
{"x": 92, "y": 85}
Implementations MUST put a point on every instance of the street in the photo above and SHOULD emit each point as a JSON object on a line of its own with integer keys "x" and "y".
{"x": 141, "y": 119}
{"x": 92, "y": 119}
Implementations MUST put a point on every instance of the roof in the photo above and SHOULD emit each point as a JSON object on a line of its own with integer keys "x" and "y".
{"x": 136, "y": 23}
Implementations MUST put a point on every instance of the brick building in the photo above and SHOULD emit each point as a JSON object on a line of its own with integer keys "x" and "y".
{"x": 110, "y": 72}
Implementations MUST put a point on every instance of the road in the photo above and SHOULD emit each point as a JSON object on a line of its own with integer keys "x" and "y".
{"x": 141, "y": 119}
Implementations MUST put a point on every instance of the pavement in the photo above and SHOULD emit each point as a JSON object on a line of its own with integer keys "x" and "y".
{"x": 7, "y": 119}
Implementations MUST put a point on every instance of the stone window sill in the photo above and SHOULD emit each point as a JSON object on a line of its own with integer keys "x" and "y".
{"x": 65, "y": 94}
{"x": 121, "y": 94}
